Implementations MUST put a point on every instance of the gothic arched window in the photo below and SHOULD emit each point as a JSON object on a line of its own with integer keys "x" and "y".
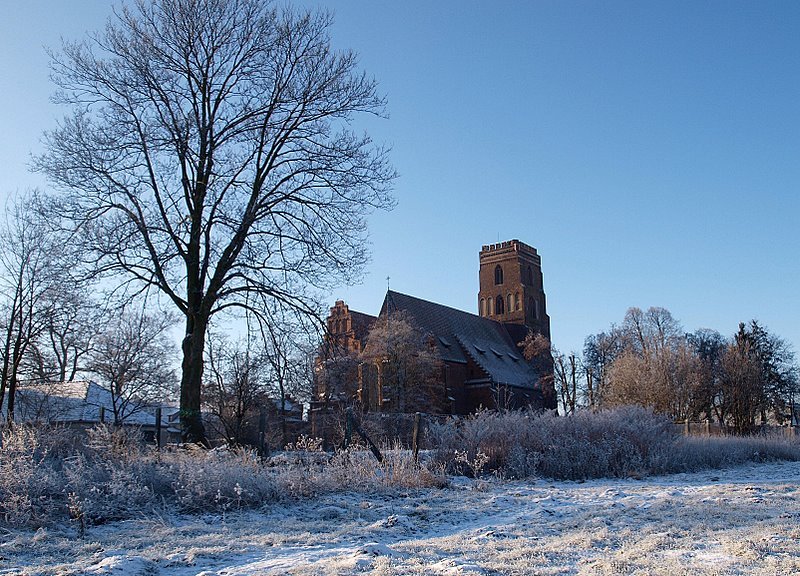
{"x": 491, "y": 306}
{"x": 510, "y": 303}
{"x": 500, "y": 305}
{"x": 483, "y": 306}
{"x": 517, "y": 303}
{"x": 498, "y": 274}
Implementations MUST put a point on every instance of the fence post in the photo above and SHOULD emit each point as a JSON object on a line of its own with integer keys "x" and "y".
{"x": 415, "y": 436}
{"x": 262, "y": 433}
{"x": 348, "y": 428}
{"x": 158, "y": 428}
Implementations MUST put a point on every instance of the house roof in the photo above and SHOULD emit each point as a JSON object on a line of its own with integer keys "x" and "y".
{"x": 459, "y": 335}
{"x": 76, "y": 402}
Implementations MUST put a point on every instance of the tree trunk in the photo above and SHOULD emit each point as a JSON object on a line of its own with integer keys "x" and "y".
{"x": 284, "y": 428}
{"x": 6, "y": 362}
{"x": 192, "y": 429}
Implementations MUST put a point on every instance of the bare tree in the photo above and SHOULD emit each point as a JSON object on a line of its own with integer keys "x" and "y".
{"x": 568, "y": 373}
{"x": 71, "y": 323}
{"x": 211, "y": 155}
{"x": 407, "y": 366}
{"x": 538, "y": 350}
{"x": 741, "y": 393}
{"x": 236, "y": 386}
{"x": 32, "y": 264}
{"x": 599, "y": 352}
{"x": 287, "y": 339}
{"x": 336, "y": 379}
{"x": 758, "y": 378}
{"x": 132, "y": 361}
{"x": 709, "y": 346}
{"x": 655, "y": 366}
{"x": 265, "y": 371}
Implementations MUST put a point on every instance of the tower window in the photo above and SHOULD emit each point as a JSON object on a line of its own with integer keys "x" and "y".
{"x": 498, "y": 275}
{"x": 491, "y": 306}
{"x": 534, "y": 306}
{"x": 483, "y": 306}
{"x": 500, "y": 305}
{"x": 517, "y": 303}
{"x": 510, "y": 303}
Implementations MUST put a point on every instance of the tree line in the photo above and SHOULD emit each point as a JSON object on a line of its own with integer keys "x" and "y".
{"x": 61, "y": 324}
{"x": 741, "y": 381}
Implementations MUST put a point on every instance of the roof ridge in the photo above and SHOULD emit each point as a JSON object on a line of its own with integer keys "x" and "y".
{"x": 391, "y": 293}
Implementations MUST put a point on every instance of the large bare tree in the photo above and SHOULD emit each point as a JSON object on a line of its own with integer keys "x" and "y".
{"x": 210, "y": 154}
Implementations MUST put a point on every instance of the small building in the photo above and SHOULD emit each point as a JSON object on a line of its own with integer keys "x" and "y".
{"x": 83, "y": 404}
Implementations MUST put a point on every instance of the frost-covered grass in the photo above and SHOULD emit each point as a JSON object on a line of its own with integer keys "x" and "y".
{"x": 46, "y": 477}
{"x": 49, "y": 476}
{"x": 742, "y": 520}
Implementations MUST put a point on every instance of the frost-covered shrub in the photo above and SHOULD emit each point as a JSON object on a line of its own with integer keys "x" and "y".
{"x": 220, "y": 480}
{"x": 30, "y": 476}
{"x": 692, "y": 453}
{"x": 620, "y": 442}
{"x": 355, "y": 469}
{"x": 108, "y": 489}
{"x": 358, "y": 468}
{"x": 626, "y": 441}
{"x": 487, "y": 437}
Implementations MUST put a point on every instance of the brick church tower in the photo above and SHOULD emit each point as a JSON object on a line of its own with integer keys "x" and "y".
{"x": 511, "y": 286}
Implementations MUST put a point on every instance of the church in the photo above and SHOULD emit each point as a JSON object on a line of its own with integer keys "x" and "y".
{"x": 480, "y": 363}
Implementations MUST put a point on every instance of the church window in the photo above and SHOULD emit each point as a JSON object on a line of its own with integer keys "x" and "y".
{"x": 483, "y": 306}
{"x": 517, "y": 303}
{"x": 491, "y": 306}
{"x": 498, "y": 274}
{"x": 510, "y": 303}
{"x": 499, "y": 305}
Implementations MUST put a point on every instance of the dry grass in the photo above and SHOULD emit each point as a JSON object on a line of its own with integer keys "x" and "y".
{"x": 47, "y": 476}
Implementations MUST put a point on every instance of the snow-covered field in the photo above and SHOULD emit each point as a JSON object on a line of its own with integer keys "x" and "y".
{"x": 739, "y": 521}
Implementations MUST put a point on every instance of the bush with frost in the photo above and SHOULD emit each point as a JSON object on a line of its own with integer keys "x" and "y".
{"x": 621, "y": 442}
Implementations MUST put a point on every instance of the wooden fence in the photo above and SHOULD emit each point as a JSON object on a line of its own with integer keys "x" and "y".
{"x": 708, "y": 428}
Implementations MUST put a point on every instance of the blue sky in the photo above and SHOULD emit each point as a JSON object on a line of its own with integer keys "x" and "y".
{"x": 649, "y": 150}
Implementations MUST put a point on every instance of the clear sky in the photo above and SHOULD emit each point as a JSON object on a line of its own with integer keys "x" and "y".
{"x": 649, "y": 150}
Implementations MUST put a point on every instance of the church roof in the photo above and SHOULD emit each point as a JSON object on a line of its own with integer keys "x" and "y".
{"x": 361, "y": 323}
{"x": 459, "y": 335}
